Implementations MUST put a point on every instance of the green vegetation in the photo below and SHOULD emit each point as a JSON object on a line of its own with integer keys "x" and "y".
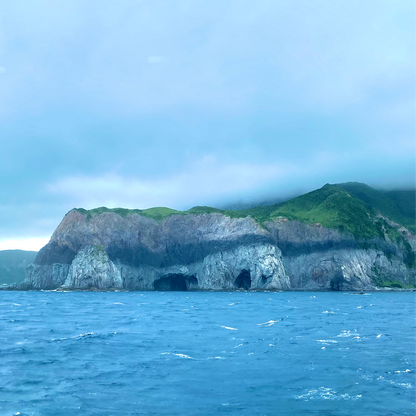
{"x": 399, "y": 206}
{"x": 395, "y": 284}
{"x": 329, "y": 206}
{"x": 13, "y": 264}
{"x": 158, "y": 213}
{"x": 96, "y": 211}
{"x": 351, "y": 208}
{"x": 204, "y": 210}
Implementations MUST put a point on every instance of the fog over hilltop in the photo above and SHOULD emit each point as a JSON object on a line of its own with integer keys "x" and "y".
{"x": 232, "y": 103}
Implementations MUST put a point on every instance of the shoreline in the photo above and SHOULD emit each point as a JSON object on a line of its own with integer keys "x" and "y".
{"x": 358, "y": 292}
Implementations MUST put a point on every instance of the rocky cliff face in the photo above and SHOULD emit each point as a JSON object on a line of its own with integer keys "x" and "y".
{"x": 211, "y": 252}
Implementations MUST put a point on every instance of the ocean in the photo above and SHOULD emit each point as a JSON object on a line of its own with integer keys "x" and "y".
{"x": 207, "y": 353}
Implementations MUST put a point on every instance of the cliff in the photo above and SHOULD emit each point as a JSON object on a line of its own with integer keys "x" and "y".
{"x": 352, "y": 247}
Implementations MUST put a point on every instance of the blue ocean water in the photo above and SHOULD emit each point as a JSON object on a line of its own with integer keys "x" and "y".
{"x": 205, "y": 353}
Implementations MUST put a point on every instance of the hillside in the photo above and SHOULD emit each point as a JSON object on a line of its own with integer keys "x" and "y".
{"x": 339, "y": 237}
{"x": 13, "y": 264}
{"x": 350, "y": 207}
{"x": 398, "y": 205}
{"x": 330, "y": 206}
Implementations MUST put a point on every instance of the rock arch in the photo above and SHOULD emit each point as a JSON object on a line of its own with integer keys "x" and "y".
{"x": 175, "y": 282}
{"x": 243, "y": 280}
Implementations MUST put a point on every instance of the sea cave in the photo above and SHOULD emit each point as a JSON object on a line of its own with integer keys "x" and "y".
{"x": 243, "y": 280}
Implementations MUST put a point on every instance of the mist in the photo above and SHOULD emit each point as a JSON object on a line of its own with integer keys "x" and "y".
{"x": 183, "y": 103}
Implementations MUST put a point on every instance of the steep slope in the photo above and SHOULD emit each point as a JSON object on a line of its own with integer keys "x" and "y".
{"x": 325, "y": 239}
{"x": 13, "y": 264}
{"x": 330, "y": 206}
{"x": 399, "y": 206}
{"x": 207, "y": 251}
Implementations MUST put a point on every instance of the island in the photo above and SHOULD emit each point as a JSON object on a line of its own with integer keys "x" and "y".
{"x": 339, "y": 237}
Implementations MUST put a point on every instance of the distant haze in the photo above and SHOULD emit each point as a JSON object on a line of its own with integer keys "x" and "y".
{"x": 182, "y": 103}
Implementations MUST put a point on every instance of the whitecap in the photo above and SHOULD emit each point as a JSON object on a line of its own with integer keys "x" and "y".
{"x": 86, "y": 334}
{"x": 323, "y": 393}
{"x": 269, "y": 323}
{"x": 80, "y": 335}
{"x": 183, "y": 356}
{"x": 327, "y": 341}
{"x": 228, "y": 327}
{"x": 178, "y": 355}
{"x": 346, "y": 333}
{"x": 405, "y": 385}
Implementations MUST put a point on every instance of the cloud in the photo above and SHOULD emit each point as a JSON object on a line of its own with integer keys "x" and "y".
{"x": 211, "y": 181}
{"x": 155, "y": 59}
{"x": 30, "y": 244}
{"x": 201, "y": 181}
{"x": 224, "y": 57}
{"x": 184, "y": 103}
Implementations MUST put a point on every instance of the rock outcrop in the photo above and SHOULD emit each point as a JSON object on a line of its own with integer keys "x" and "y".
{"x": 90, "y": 268}
{"x": 212, "y": 252}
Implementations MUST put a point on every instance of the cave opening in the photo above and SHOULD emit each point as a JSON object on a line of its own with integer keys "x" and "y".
{"x": 175, "y": 282}
{"x": 264, "y": 279}
{"x": 336, "y": 283}
{"x": 243, "y": 280}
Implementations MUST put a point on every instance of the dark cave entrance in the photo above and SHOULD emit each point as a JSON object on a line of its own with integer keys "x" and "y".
{"x": 243, "y": 280}
{"x": 337, "y": 281}
{"x": 175, "y": 282}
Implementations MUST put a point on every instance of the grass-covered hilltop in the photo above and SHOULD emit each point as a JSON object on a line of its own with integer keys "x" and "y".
{"x": 350, "y": 207}
{"x": 339, "y": 237}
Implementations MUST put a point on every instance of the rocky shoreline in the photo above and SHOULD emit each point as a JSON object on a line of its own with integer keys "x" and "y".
{"x": 108, "y": 251}
{"x": 62, "y": 290}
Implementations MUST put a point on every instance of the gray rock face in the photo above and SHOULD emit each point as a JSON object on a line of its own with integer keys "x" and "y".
{"x": 49, "y": 276}
{"x": 90, "y": 268}
{"x": 317, "y": 258}
{"x": 210, "y": 252}
{"x": 224, "y": 270}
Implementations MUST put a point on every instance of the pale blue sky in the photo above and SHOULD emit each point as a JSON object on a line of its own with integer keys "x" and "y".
{"x": 186, "y": 102}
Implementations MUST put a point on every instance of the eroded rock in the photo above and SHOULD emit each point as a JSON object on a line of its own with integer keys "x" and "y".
{"x": 211, "y": 252}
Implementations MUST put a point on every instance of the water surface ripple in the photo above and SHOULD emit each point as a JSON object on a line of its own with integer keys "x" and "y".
{"x": 203, "y": 353}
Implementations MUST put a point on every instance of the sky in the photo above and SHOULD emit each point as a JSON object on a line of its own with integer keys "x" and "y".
{"x": 180, "y": 103}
